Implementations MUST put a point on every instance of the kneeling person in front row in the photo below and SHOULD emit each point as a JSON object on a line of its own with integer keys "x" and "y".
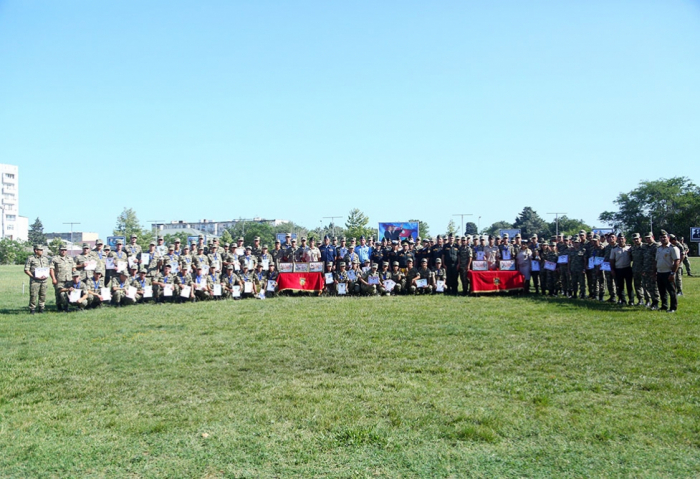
{"x": 78, "y": 288}
{"x": 120, "y": 285}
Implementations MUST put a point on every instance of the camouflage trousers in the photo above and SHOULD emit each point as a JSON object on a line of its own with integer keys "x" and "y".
{"x": 598, "y": 284}
{"x": 370, "y": 289}
{"x": 535, "y": 280}
{"x": 591, "y": 281}
{"x": 679, "y": 281}
{"x": 651, "y": 287}
{"x": 60, "y": 303}
{"x": 464, "y": 276}
{"x": 550, "y": 281}
{"x": 687, "y": 266}
{"x": 79, "y": 304}
{"x": 639, "y": 290}
{"x": 119, "y": 298}
{"x": 37, "y": 294}
{"x": 612, "y": 290}
{"x": 564, "y": 279}
{"x": 578, "y": 283}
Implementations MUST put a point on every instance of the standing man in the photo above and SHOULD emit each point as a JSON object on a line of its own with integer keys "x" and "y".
{"x": 685, "y": 259}
{"x": 577, "y": 265}
{"x": 37, "y": 268}
{"x": 637, "y": 253}
{"x": 668, "y": 259}
{"x": 450, "y": 258}
{"x": 465, "y": 263}
{"x": 327, "y": 250}
{"x": 679, "y": 273}
{"x": 363, "y": 250}
{"x": 133, "y": 249}
{"x": 621, "y": 268}
{"x": 62, "y": 267}
{"x": 607, "y": 249}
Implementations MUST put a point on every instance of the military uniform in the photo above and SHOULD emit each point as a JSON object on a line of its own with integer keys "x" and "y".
{"x": 95, "y": 286}
{"x": 119, "y": 288}
{"x": 450, "y": 258}
{"x": 140, "y": 284}
{"x": 637, "y": 253}
{"x": 183, "y": 279}
{"x": 564, "y": 278}
{"x": 370, "y": 289}
{"x": 577, "y": 267}
{"x": 424, "y": 272}
{"x": 37, "y": 287}
{"x": 62, "y": 267}
{"x": 612, "y": 289}
{"x": 228, "y": 281}
{"x": 71, "y": 285}
{"x": 466, "y": 254}
{"x": 439, "y": 274}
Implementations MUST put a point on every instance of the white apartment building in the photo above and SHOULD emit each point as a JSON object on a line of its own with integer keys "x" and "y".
{"x": 12, "y": 225}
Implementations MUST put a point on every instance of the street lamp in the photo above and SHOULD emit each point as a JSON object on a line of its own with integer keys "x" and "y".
{"x": 462, "y": 215}
{"x": 71, "y": 232}
{"x": 557, "y": 220}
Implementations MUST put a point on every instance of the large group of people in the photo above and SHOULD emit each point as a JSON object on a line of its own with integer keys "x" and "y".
{"x": 586, "y": 266}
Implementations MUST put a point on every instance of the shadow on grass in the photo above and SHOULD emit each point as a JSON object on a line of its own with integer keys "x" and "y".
{"x": 15, "y": 311}
{"x": 587, "y": 304}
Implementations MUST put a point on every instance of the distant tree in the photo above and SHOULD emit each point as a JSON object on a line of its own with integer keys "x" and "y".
{"x": 495, "y": 228}
{"x": 470, "y": 228}
{"x": 13, "y": 251}
{"x": 356, "y": 225}
{"x": 423, "y": 228}
{"x": 55, "y": 245}
{"x": 451, "y": 228}
{"x": 330, "y": 230}
{"x": 568, "y": 226}
{"x": 36, "y": 233}
{"x": 180, "y": 235}
{"x": 248, "y": 230}
{"x": 226, "y": 238}
{"x": 529, "y": 223}
{"x": 128, "y": 224}
{"x": 671, "y": 204}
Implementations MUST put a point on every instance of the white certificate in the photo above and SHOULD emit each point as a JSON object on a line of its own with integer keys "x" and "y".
{"x": 147, "y": 291}
{"x": 248, "y": 287}
{"x": 352, "y": 276}
{"x": 74, "y": 296}
{"x": 422, "y": 283}
{"x": 90, "y": 265}
{"x": 373, "y": 279}
{"x": 480, "y": 256}
{"x": 106, "y": 294}
{"x": 508, "y": 265}
{"x": 440, "y": 286}
{"x": 201, "y": 285}
{"x": 550, "y": 265}
{"x": 215, "y": 265}
{"x": 563, "y": 259}
{"x": 217, "y": 290}
{"x": 389, "y": 285}
{"x": 270, "y": 285}
{"x": 598, "y": 260}
{"x": 132, "y": 261}
{"x": 605, "y": 266}
{"x": 535, "y": 265}
{"x": 205, "y": 270}
{"x": 167, "y": 290}
{"x": 480, "y": 266}
{"x": 505, "y": 254}
{"x": 240, "y": 251}
{"x": 591, "y": 262}
{"x": 236, "y": 291}
{"x": 174, "y": 267}
{"x": 342, "y": 288}
{"x": 329, "y": 278}
{"x": 121, "y": 266}
{"x": 145, "y": 258}
{"x": 109, "y": 263}
{"x": 265, "y": 263}
{"x": 131, "y": 292}
{"x": 41, "y": 273}
{"x": 185, "y": 291}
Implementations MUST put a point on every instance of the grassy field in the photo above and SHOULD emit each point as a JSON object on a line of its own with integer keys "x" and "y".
{"x": 497, "y": 386}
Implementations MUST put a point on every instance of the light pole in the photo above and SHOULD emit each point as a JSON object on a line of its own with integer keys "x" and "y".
{"x": 71, "y": 233}
{"x": 462, "y": 215}
{"x": 478, "y": 226}
{"x": 332, "y": 218}
{"x": 557, "y": 220}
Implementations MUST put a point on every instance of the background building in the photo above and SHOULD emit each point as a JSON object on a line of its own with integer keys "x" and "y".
{"x": 215, "y": 228}
{"x": 12, "y": 225}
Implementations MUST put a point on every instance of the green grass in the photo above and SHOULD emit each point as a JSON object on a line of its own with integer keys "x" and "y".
{"x": 350, "y": 387}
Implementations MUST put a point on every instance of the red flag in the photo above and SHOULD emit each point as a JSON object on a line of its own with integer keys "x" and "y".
{"x": 493, "y": 281}
{"x": 300, "y": 281}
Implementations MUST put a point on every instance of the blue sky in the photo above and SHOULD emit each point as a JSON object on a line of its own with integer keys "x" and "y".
{"x": 301, "y": 110}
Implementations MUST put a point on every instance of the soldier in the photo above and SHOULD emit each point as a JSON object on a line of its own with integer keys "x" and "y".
{"x": 95, "y": 285}
{"x": 215, "y": 259}
{"x": 289, "y": 253}
{"x": 100, "y": 256}
{"x": 341, "y": 277}
{"x": 435, "y": 252}
{"x": 687, "y": 253}
{"x": 327, "y": 250}
{"x": 230, "y": 280}
{"x": 277, "y": 254}
{"x": 214, "y": 284}
{"x": 37, "y": 268}
{"x": 82, "y": 261}
{"x": 536, "y": 275}
{"x": 465, "y": 263}
{"x": 150, "y": 260}
{"x": 271, "y": 275}
{"x": 256, "y": 250}
{"x": 577, "y": 266}
{"x": 424, "y": 272}
{"x": 621, "y": 267}
{"x": 141, "y": 283}
{"x": 598, "y": 254}
{"x": 450, "y": 258}
{"x": 133, "y": 249}
{"x": 668, "y": 260}
{"x": 301, "y": 251}
{"x": 377, "y": 254}
{"x": 120, "y": 286}
{"x": 201, "y": 288}
{"x": 637, "y": 253}
{"x": 679, "y": 273}
{"x": 313, "y": 254}
{"x": 549, "y": 254}
{"x": 183, "y": 279}
{"x": 159, "y": 283}
{"x": 491, "y": 254}
{"x": 247, "y": 277}
{"x": 363, "y": 250}
{"x": 116, "y": 256}
{"x": 75, "y": 284}
{"x": 248, "y": 260}
{"x": 354, "y": 275}
{"x": 265, "y": 258}
{"x": 384, "y": 275}
{"x": 259, "y": 278}
{"x": 612, "y": 289}
{"x": 200, "y": 259}
{"x": 351, "y": 257}
{"x": 185, "y": 260}
{"x": 563, "y": 269}
{"x": 397, "y": 277}
{"x": 523, "y": 262}
{"x": 369, "y": 281}
{"x": 61, "y": 271}
{"x": 439, "y": 274}
{"x": 590, "y": 271}
{"x": 178, "y": 249}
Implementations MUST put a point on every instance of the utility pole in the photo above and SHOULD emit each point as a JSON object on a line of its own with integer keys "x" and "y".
{"x": 71, "y": 232}
{"x": 462, "y": 215}
{"x": 332, "y": 218}
{"x": 478, "y": 226}
{"x": 557, "y": 220}
{"x": 154, "y": 228}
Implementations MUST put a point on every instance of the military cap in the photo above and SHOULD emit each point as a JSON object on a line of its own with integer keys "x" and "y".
{"x": 672, "y": 236}
{"x": 248, "y": 248}
{"x": 410, "y": 240}
{"x": 185, "y": 247}
{"x": 463, "y": 238}
{"x": 505, "y": 235}
{"x": 329, "y": 263}
{"x": 552, "y": 243}
{"x": 265, "y": 246}
{"x": 277, "y": 241}
{"x": 62, "y": 247}
{"x": 226, "y": 245}
{"x": 257, "y": 238}
{"x": 483, "y": 238}
{"x": 395, "y": 263}
{"x": 394, "y": 241}
{"x": 426, "y": 241}
{"x": 200, "y": 247}
{"x": 160, "y": 238}
{"x": 85, "y": 245}
{"x": 582, "y": 232}
{"x": 596, "y": 237}
{"x": 437, "y": 260}
{"x": 177, "y": 240}
{"x": 215, "y": 240}
{"x": 577, "y": 240}
{"x": 167, "y": 265}
{"x": 171, "y": 247}
{"x": 120, "y": 242}
{"x": 123, "y": 273}
{"x": 409, "y": 260}
{"x": 664, "y": 232}
{"x": 335, "y": 238}
{"x": 490, "y": 237}
{"x": 533, "y": 237}
{"x": 568, "y": 237}
{"x": 229, "y": 266}
{"x": 107, "y": 248}
{"x": 97, "y": 271}
{"x": 375, "y": 265}
{"x": 590, "y": 233}
{"x": 240, "y": 239}
{"x": 200, "y": 237}
{"x": 451, "y": 235}
{"x": 342, "y": 263}
{"x": 152, "y": 243}
{"x": 76, "y": 274}
{"x": 134, "y": 236}
{"x": 621, "y": 235}
{"x": 636, "y": 235}
{"x": 439, "y": 236}
{"x": 288, "y": 235}
{"x": 423, "y": 260}
{"x": 198, "y": 267}
{"x": 99, "y": 241}
{"x": 259, "y": 265}
{"x": 385, "y": 263}
{"x": 303, "y": 238}
{"x": 518, "y": 235}
{"x": 648, "y": 235}
{"x": 554, "y": 237}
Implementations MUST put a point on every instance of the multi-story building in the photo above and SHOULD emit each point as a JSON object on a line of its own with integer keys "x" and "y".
{"x": 12, "y": 225}
{"x": 211, "y": 227}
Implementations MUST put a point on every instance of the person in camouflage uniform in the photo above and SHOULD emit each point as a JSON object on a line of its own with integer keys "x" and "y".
{"x": 598, "y": 276}
{"x": 82, "y": 259}
{"x": 564, "y": 278}
{"x": 398, "y": 277}
{"x": 75, "y": 284}
{"x": 371, "y": 275}
{"x": 95, "y": 285}
{"x": 133, "y": 249}
{"x": 424, "y": 272}
{"x": 182, "y": 279}
{"x": 141, "y": 282}
{"x": 61, "y": 271}
{"x": 411, "y": 276}
{"x": 649, "y": 273}
{"x": 684, "y": 257}
{"x": 637, "y": 252}
{"x": 119, "y": 286}
{"x": 160, "y": 280}
{"x": 384, "y": 274}
{"x": 590, "y": 272}
{"x": 609, "y": 281}
{"x": 466, "y": 254}
{"x": 439, "y": 274}
{"x": 687, "y": 253}
{"x": 37, "y": 285}
{"x": 277, "y": 254}
{"x": 450, "y": 261}
{"x": 577, "y": 267}
{"x": 549, "y": 254}
{"x": 230, "y": 280}
{"x": 536, "y": 277}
